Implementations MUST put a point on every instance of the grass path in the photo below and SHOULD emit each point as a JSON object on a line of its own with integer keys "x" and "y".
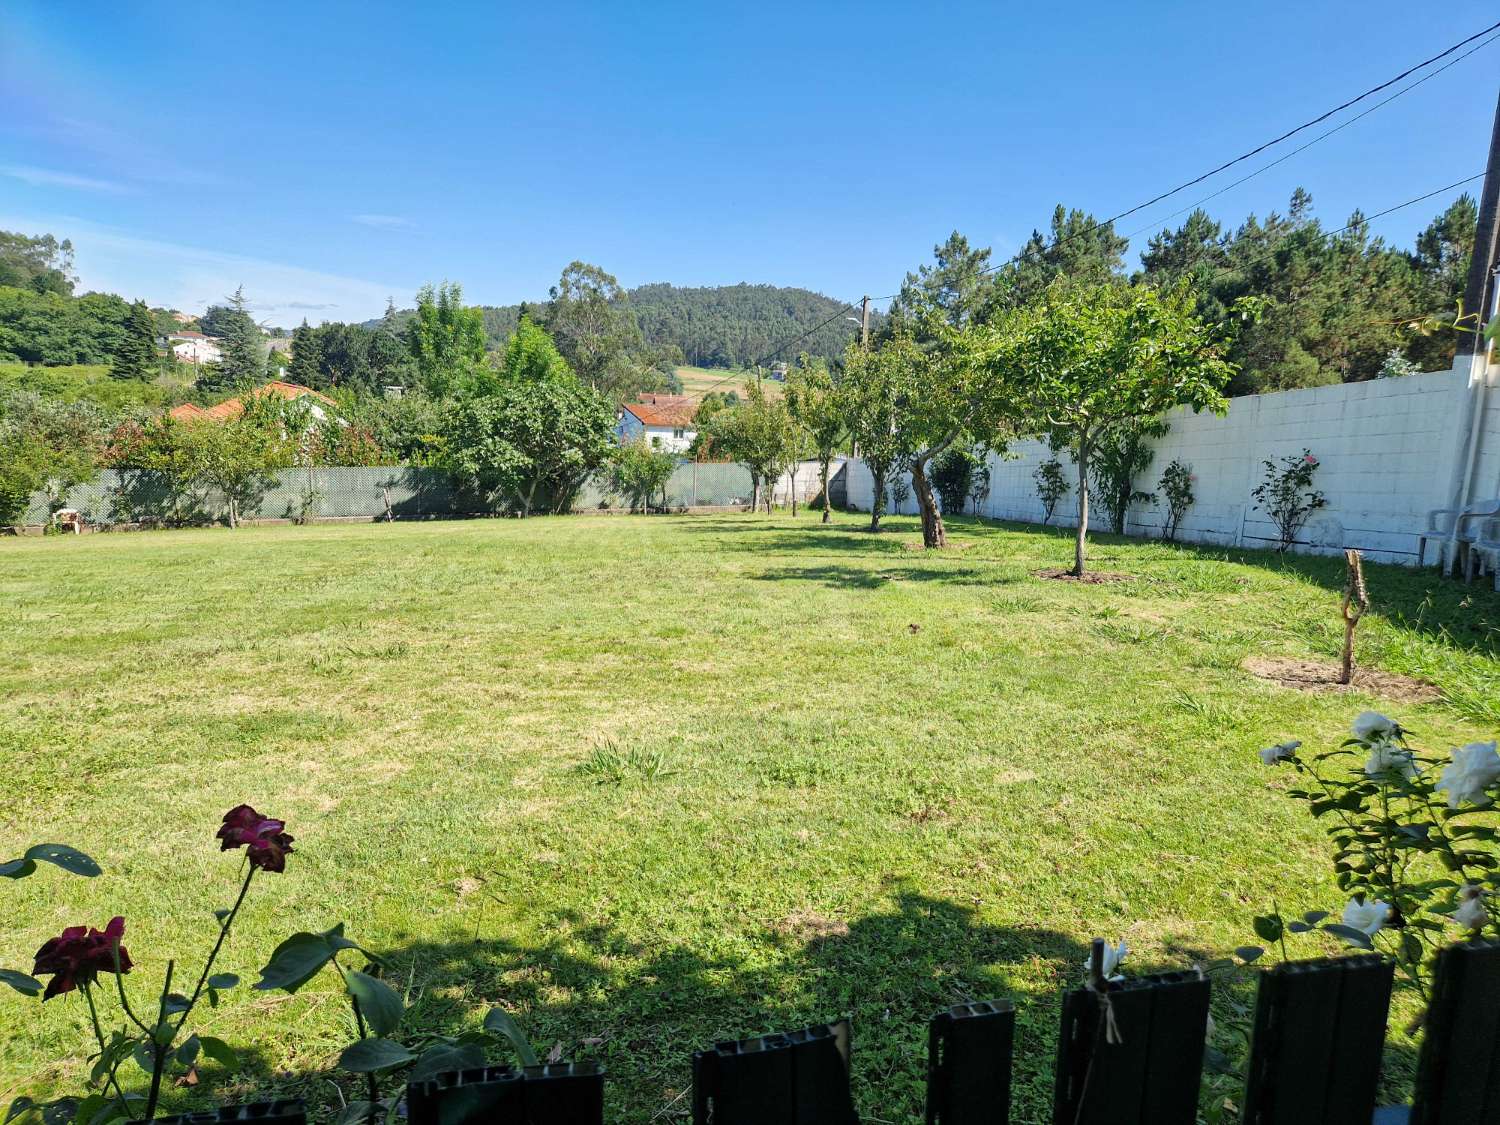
{"x": 839, "y": 775}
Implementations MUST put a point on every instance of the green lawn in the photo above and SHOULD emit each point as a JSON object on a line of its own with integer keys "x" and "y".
{"x": 892, "y": 780}
{"x": 698, "y": 381}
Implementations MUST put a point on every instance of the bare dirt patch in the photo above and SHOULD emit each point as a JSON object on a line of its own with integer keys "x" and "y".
{"x": 808, "y": 925}
{"x": 1323, "y": 675}
{"x": 1089, "y": 578}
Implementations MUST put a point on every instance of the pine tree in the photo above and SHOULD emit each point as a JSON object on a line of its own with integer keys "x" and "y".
{"x": 307, "y": 356}
{"x": 135, "y": 358}
{"x": 243, "y": 362}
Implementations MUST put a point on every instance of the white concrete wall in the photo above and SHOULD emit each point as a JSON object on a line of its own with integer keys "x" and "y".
{"x": 1386, "y": 449}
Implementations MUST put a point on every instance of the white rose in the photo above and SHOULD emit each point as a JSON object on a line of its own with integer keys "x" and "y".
{"x": 1113, "y": 955}
{"x": 1474, "y": 770}
{"x": 1282, "y": 750}
{"x": 1387, "y": 757}
{"x": 1367, "y": 917}
{"x": 1372, "y": 726}
{"x": 1471, "y": 914}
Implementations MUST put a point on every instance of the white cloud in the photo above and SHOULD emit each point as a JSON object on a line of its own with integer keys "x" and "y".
{"x": 382, "y": 222}
{"x": 47, "y": 177}
{"x": 192, "y": 277}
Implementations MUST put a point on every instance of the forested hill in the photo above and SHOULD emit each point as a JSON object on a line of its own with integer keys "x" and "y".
{"x": 715, "y": 326}
{"x": 735, "y": 325}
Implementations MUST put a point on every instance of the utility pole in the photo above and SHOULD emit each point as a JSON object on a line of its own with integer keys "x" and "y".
{"x": 1478, "y": 293}
{"x": 1479, "y": 300}
{"x": 864, "y": 313}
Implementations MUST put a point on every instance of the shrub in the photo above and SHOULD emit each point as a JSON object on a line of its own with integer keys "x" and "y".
{"x": 1413, "y": 838}
{"x": 952, "y": 476}
{"x": 1051, "y": 486}
{"x": 1177, "y": 485}
{"x": 1122, "y": 454}
{"x": 638, "y": 472}
{"x": 1286, "y": 495}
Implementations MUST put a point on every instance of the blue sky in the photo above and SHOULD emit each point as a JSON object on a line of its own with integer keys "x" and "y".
{"x": 327, "y": 155}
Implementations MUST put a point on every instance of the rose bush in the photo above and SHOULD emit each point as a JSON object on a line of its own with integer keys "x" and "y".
{"x": 1414, "y": 843}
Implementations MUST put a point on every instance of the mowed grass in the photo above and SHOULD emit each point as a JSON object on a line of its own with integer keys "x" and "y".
{"x": 653, "y": 782}
{"x": 699, "y": 381}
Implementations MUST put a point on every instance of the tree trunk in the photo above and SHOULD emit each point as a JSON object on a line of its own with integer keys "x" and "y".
{"x": 792, "y": 477}
{"x": 1080, "y": 542}
{"x": 234, "y": 521}
{"x": 877, "y": 500}
{"x": 827, "y": 504}
{"x": 754, "y": 493}
{"x": 934, "y": 536}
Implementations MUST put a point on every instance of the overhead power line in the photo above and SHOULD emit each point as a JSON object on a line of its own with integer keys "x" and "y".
{"x": 1310, "y": 123}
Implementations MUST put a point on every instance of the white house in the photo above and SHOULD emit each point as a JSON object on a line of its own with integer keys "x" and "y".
{"x": 665, "y": 421}
{"x": 195, "y": 347}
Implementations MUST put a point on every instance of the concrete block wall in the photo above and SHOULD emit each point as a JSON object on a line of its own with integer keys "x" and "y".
{"x": 1386, "y": 450}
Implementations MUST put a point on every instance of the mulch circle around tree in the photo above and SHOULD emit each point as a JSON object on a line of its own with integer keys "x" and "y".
{"x": 1323, "y": 675}
{"x": 1090, "y": 577}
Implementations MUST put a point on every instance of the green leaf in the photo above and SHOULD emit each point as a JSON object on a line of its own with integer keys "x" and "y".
{"x": 18, "y": 1107}
{"x": 378, "y": 1001}
{"x": 175, "y": 1002}
{"x": 1349, "y": 934}
{"x": 295, "y": 962}
{"x": 499, "y": 1022}
{"x": 187, "y": 1050}
{"x": 364, "y": 1056}
{"x": 1268, "y": 927}
{"x": 16, "y": 868}
{"x": 446, "y": 1057}
{"x": 1298, "y": 927}
{"x": 69, "y": 859}
{"x": 1313, "y": 917}
{"x": 27, "y": 986}
{"x": 220, "y": 1051}
{"x": 1249, "y": 953}
{"x": 141, "y": 1053}
{"x": 223, "y": 980}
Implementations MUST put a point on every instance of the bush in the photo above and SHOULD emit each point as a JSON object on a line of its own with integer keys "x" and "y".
{"x": 638, "y": 472}
{"x": 1286, "y": 495}
{"x": 953, "y": 476}
{"x": 1177, "y": 485}
{"x": 1051, "y": 486}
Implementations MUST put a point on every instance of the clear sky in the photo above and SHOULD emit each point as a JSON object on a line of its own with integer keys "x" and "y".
{"x": 327, "y": 155}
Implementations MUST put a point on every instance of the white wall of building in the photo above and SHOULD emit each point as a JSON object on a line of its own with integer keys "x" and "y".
{"x": 669, "y": 439}
{"x": 1386, "y": 447}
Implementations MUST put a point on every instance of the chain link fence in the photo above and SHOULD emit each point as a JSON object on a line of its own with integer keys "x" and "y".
{"x": 406, "y": 492}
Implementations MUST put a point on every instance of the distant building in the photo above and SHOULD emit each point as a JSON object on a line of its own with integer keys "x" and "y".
{"x": 665, "y": 421}
{"x": 320, "y": 406}
{"x": 195, "y": 347}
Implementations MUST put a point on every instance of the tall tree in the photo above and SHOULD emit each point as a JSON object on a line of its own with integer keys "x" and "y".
{"x": 757, "y": 433}
{"x": 590, "y": 317}
{"x": 39, "y": 263}
{"x": 1096, "y": 356}
{"x": 959, "y": 285}
{"x": 816, "y": 400}
{"x": 306, "y": 367}
{"x": 445, "y": 339}
{"x": 135, "y": 358}
{"x": 1077, "y": 246}
{"x": 243, "y": 361}
{"x": 874, "y": 388}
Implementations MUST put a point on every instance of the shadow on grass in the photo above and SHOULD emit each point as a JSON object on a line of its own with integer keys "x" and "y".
{"x": 641, "y": 1010}
{"x": 865, "y": 578}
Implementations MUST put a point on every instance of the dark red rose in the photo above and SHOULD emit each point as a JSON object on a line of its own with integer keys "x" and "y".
{"x": 265, "y": 840}
{"x": 78, "y": 955}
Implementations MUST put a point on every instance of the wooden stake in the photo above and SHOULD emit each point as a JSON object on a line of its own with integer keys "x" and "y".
{"x": 1356, "y": 601}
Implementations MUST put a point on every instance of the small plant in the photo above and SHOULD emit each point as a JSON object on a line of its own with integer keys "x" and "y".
{"x": 1413, "y": 839}
{"x": 1051, "y": 486}
{"x": 979, "y": 488}
{"x": 1286, "y": 495}
{"x": 1356, "y": 601}
{"x": 1176, "y": 485}
{"x": 1396, "y": 365}
{"x": 152, "y": 1036}
{"x": 1123, "y": 453}
{"x": 900, "y": 491}
{"x": 610, "y": 765}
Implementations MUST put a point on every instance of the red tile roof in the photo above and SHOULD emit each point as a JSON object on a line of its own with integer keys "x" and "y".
{"x": 678, "y": 414}
{"x": 232, "y": 408}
